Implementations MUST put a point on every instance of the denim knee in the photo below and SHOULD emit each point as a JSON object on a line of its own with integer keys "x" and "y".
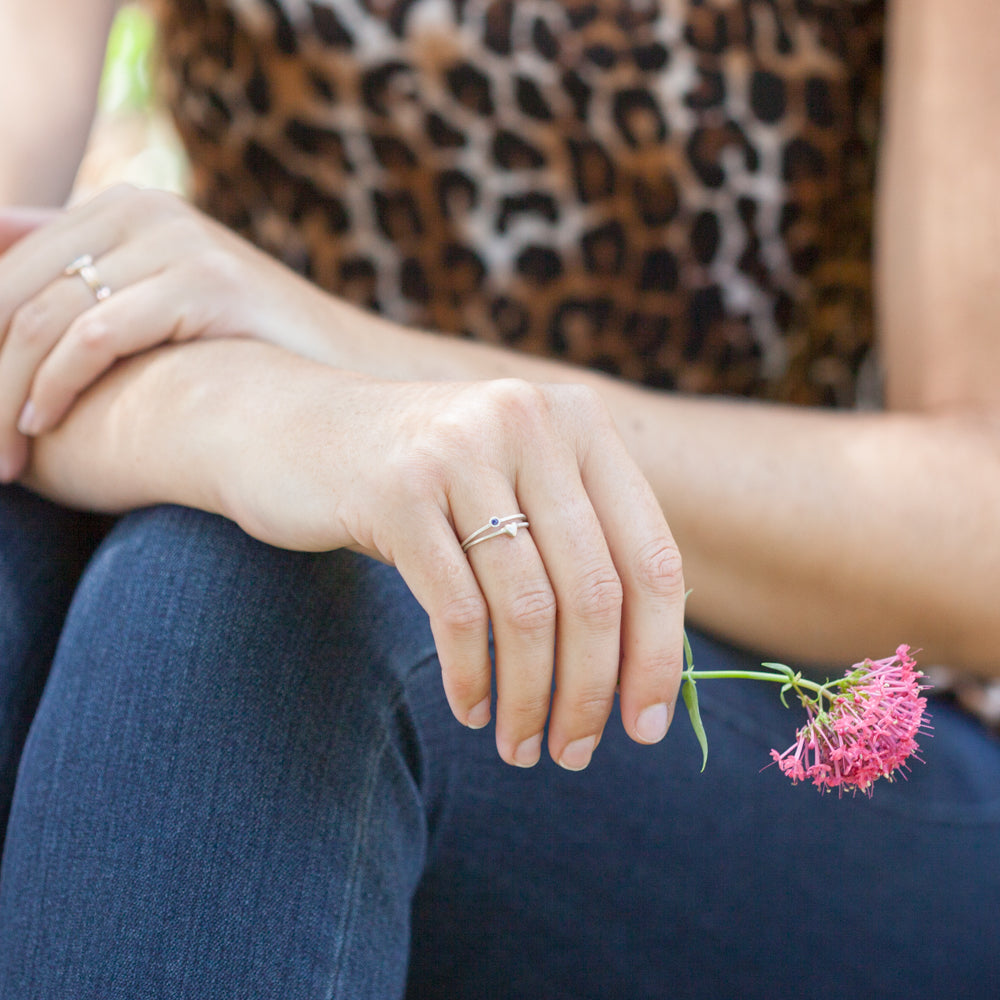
{"x": 180, "y": 586}
{"x": 43, "y": 549}
{"x": 225, "y": 725}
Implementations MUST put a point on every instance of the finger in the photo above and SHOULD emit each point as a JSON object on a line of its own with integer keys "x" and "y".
{"x": 84, "y": 337}
{"x": 76, "y": 299}
{"x": 16, "y": 222}
{"x": 588, "y": 595}
{"x": 130, "y": 321}
{"x": 522, "y": 608}
{"x": 40, "y": 255}
{"x": 649, "y": 566}
{"x": 33, "y": 260}
{"x": 32, "y": 332}
{"x": 438, "y": 574}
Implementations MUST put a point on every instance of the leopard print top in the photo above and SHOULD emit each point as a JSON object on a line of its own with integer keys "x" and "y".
{"x": 675, "y": 191}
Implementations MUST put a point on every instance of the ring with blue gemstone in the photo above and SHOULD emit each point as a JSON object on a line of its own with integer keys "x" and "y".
{"x": 494, "y": 528}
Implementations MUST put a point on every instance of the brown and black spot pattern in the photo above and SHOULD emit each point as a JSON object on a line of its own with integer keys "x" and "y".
{"x": 678, "y": 191}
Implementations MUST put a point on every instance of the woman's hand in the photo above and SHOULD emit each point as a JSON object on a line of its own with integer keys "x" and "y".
{"x": 592, "y": 590}
{"x": 171, "y": 274}
{"x": 404, "y": 471}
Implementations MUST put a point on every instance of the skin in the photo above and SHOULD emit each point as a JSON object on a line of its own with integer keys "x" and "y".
{"x": 309, "y": 457}
{"x": 45, "y": 126}
{"x": 818, "y": 536}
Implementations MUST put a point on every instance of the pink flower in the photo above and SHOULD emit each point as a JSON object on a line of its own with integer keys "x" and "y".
{"x": 867, "y": 731}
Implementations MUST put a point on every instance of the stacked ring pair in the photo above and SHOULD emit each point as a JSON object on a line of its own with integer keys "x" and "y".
{"x": 83, "y": 267}
{"x": 495, "y": 527}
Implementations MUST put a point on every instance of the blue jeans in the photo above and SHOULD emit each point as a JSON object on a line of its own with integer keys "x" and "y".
{"x": 242, "y": 781}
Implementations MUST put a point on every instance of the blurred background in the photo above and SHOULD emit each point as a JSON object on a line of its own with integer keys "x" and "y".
{"x": 133, "y": 138}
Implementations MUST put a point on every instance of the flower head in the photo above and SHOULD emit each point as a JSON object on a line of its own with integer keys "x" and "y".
{"x": 860, "y": 728}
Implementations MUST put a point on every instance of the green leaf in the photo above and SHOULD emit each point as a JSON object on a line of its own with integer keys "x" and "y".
{"x": 785, "y": 688}
{"x": 690, "y": 694}
{"x": 782, "y": 668}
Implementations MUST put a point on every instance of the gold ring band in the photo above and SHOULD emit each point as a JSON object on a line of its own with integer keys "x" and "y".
{"x": 83, "y": 267}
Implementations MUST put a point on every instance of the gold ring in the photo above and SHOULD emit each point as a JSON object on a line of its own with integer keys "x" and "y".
{"x": 83, "y": 267}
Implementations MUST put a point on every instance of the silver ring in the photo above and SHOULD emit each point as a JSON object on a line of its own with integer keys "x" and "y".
{"x": 83, "y": 267}
{"x": 494, "y": 528}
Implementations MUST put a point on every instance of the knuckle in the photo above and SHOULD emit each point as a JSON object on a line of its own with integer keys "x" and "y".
{"x": 532, "y": 612}
{"x": 28, "y": 322}
{"x": 480, "y": 422}
{"x": 458, "y": 430}
{"x": 658, "y": 671}
{"x": 526, "y": 714}
{"x": 464, "y": 615}
{"x": 91, "y": 333}
{"x": 517, "y": 392}
{"x": 598, "y": 596}
{"x": 590, "y": 708}
{"x": 518, "y": 403}
{"x": 588, "y": 400}
{"x": 465, "y": 685}
{"x": 659, "y": 570}
{"x": 414, "y": 474}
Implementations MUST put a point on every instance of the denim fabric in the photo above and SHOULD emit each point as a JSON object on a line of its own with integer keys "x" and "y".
{"x": 43, "y": 550}
{"x": 243, "y": 781}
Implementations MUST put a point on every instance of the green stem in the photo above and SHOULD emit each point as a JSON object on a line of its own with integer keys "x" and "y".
{"x": 757, "y": 675}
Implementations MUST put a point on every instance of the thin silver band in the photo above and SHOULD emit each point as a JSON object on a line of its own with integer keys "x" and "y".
{"x": 495, "y": 527}
{"x": 83, "y": 267}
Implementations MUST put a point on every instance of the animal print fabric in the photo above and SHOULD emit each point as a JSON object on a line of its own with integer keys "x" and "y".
{"x": 675, "y": 191}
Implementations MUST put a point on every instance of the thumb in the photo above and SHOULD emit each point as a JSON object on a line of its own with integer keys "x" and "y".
{"x": 16, "y": 222}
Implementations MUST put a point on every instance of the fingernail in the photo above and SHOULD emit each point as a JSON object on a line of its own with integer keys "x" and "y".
{"x": 27, "y": 422}
{"x": 479, "y": 716}
{"x": 577, "y": 754}
{"x": 651, "y": 726}
{"x": 528, "y": 752}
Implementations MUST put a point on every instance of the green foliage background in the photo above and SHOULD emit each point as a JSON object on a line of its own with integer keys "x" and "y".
{"x": 127, "y": 84}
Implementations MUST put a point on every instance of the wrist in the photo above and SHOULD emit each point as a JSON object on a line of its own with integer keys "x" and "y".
{"x": 141, "y": 435}
{"x": 278, "y": 433}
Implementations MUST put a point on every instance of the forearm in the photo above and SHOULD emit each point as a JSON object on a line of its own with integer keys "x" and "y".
{"x": 271, "y": 440}
{"x": 141, "y": 435}
{"x": 177, "y": 425}
{"x": 51, "y": 54}
{"x": 938, "y": 224}
{"x": 823, "y": 535}
{"x": 826, "y": 535}
{"x": 813, "y": 535}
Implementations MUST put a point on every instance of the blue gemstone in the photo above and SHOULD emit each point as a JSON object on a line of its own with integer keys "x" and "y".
{"x": 494, "y": 521}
